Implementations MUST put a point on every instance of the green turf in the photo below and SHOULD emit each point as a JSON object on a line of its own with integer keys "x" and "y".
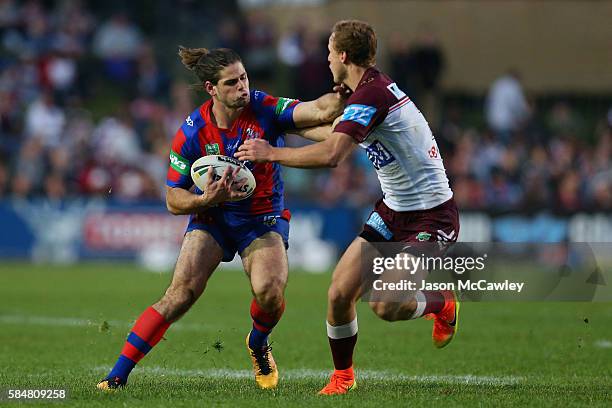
{"x": 62, "y": 327}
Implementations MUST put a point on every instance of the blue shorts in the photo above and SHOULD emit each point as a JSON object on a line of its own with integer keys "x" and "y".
{"x": 234, "y": 232}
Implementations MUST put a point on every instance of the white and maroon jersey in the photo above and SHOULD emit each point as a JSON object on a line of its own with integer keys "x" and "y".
{"x": 398, "y": 141}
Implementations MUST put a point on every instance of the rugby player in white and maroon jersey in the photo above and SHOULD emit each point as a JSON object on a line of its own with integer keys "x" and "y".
{"x": 417, "y": 203}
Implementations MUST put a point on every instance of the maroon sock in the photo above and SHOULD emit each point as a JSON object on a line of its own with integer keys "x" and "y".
{"x": 342, "y": 351}
{"x": 434, "y": 301}
{"x": 342, "y": 340}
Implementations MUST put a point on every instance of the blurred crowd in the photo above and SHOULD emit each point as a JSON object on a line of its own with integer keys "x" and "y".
{"x": 85, "y": 107}
{"x": 88, "y": 107}
{"x": 545, "y": 160}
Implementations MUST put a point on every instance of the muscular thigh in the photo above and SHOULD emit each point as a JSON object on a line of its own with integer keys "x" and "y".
{"x": 265, "y": 262}
{"x": 199, "y": 257}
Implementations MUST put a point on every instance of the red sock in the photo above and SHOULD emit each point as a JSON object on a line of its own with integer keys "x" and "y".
{"x": 263, "y": 323}
{"x": 146, "y": 333}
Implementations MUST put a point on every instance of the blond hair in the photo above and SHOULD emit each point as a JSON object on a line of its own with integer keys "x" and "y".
{"x": 357, "y": 39}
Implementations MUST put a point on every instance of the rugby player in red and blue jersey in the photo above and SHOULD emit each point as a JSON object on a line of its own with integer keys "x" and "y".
{"x": 256, "y": 227}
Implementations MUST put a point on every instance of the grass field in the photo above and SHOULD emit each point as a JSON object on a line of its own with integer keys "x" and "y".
{"x": 62, "y": 327}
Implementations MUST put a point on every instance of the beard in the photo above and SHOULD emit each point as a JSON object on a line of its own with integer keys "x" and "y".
{"x": 241, "y": 102}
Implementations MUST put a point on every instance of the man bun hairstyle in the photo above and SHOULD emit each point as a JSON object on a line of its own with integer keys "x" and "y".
{"x": 357, "y": 39}
{"x": 207, "y": 64}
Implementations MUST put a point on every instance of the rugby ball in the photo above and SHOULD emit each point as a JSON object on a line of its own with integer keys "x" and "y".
{"x": 219, "y": 163}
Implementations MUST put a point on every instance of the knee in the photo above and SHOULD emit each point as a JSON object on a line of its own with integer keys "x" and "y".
{"x": 270, "y": 294}
{"x": 177, "y": 300}
{"x": 339, "y": 298}
{"x": 385, "y": 310}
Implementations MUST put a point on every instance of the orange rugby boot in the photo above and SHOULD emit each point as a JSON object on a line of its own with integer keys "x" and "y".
{"x": 339, "y": 384}
{"x": 446, "y": 321}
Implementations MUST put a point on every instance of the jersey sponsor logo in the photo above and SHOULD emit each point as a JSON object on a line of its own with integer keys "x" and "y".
{"x": 251, "y": 133}
{"x": 361, "y": 114}
{"x": 447, "y": 237}
{"x": 423, "y": 236}
{"x": 270, "y": 220}
{"x": 189, "y": 121}
{"x": 433, "y": 152}
{"x": 398, "y": 93}
{"x": 379, "y": 155}
{"x": 179, "y": 163}
{"x": 282, "y": 104}
{"x": 212, "y": 148}
{"x": 375, "y": 221}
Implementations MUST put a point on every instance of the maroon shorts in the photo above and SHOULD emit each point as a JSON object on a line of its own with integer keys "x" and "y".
{"x": 440, "y": 223}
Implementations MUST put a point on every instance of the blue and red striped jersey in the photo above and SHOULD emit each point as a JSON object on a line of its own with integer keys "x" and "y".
{"x": 265, "y": 117}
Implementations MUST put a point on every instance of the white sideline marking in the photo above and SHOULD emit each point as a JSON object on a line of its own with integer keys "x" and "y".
{"x": 603, "y": 344}
{"x": 306, "y": 374}
{"x": 77, "y": 322}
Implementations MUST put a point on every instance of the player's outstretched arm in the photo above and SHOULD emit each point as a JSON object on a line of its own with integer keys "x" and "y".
{"x": 328, "y": 153}
{"x": 180, "y": 201}
{"x": 316, "y": 134}
{"x": 322, "y": 110}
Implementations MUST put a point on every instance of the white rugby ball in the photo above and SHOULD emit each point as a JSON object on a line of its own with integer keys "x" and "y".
{"x": 219, "y": 163}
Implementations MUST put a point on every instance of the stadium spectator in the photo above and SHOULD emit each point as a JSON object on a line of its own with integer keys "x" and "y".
{"x": 229, "y": 35}
{"x": 55, "y": 187}
{"x": 313, "y": 77}
{"x": 260, "y": 47}
{"x": 9, "y": 15}
{"x": 152, "y": 79}
{"x": 4, "y": 177}
{"x": 180, "y": 102}
{"x": 36, "y": 40}
{"x": 563, "y": 121}
{"x": 291, "y": 54}
{"x": 117, "y": 43}
{"x": 400, "y": 66}
{"x": 425, "y": 64}
{"x": 506, "y": 106}
{"x": 569, "y": 191}
{"x": 535, "y": 177}
{"x": 469, "y": 193}
{"x": 290, "y": 47}
{"x": 501, "y": 192}
{"x": 59, "y": 73}
{"x": 116, "y": 142}
{"x": 334, "y": 186}
{"x": 9, "y": 121}
{"x": 45, "y": 120}
{"x": 75, "y": 26}
{"x": 21, "y": 187}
